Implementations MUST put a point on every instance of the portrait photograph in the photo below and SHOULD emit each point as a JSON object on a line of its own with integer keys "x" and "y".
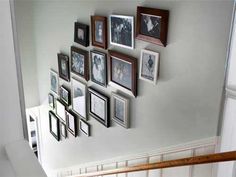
{"x": 65, "y": 95}
{"x": 81, "y": 34}
{"x": 98, "y": 68}
{"x": 123, "y": 72}
{"x": 79, "y": 98}
{"x": 99, "y": 31}
{"x": 54, "y": 83}
{"x": 54, "y": 125}
{"x": 98, "y": 106}
{"x": 152, "y": 25}
{"x": 149, "y": 66}
{"x": 63, "y": 66}
{"x": 71, "y": 123}
{"x": 79, "y": 62}
{"x": 51, "y": 100}
{"x": 122, "y": 31}
{"x": 120, "y": 109}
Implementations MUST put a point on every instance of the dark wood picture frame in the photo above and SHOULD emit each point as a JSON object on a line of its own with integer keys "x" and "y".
{"x": 73, "y": 132}
{"x": 81, "y": 129}
{"x": 163, "y": 14}
{"x": 68, "y": 101}
{"x": 126, "y": 59}
{"x": 106, "y": 120}
{"x": 85, "y": 53}
{"x": 105, "y": 67}
{"x": 65, "y": 58}
{"x": 103, "y": 19}
{"x": 57, "y": 134}
{"x": 85, "y": 28}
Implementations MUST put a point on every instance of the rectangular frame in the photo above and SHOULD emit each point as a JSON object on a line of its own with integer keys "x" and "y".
{"x": 66, "y": 59}
{"x": 62, "y": 89}
{"x": 61, "y": 110}
{"x": 72, "y": 116}
{"x": 164, "y": 14}
{"x": 55, "y": 74}
{"x": 55, "y": 134}
{"x": 85, "y": 28}
{"x": 53, "y": 100}
{"x": 87, "y": 131}
{"x": 63, "y": 130}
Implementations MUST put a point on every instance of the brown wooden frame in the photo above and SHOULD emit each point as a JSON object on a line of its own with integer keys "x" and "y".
{"x": 125, "y": 58}
{"x": 61, "y": 57}
{"x": 102, "y": 45}
{"x": 164, "y": 14}
{"x": 86, "y": 62}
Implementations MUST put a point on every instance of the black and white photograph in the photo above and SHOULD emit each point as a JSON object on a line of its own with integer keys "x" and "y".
{"x": 61, "y": 110}
{"x": 63, "y": 130}
{"x": 84, "y": 127}
{"x": 120, "y": 109}
{"x": 79, "y": 62}
{"x": 98, "y": 68}
{"x": 81, "y": 34}
{"x": 98, "y": 106}
{"x": 151, "y": 25}
{"x": 149, "y": 66}
{"x": 51, "y": 100}
{"x": 99, "y": 31}
{"x": 79, "y": 98}
{"x": 122, "y": 31}
{"x": 54, "y": 125}
{"x": 63, "y": 66}
{"x": 65, "y": 95}
{"x": 71, "y": 123}
{"x": 54, "y": 84}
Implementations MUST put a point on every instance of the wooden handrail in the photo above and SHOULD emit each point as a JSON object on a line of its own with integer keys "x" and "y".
{"x": 212, "y": 158}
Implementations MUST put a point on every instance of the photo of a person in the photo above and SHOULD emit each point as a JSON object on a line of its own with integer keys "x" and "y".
{"x": 151, "y": 25}
{"x": 98, "y": 68}
{"x": 77, "y": 63}
{"x": 148, "y": 64}
{"x": 80, "y": 34}
{"x": 99, "y": 31}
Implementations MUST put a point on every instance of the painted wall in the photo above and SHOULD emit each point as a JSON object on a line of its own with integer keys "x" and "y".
{"x": 10, "y": 115}
{"x": 183, "y": 106}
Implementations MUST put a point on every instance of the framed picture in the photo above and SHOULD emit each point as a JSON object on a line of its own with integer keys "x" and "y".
{"x": 122, "y": 31}
{"x": 79, "y": 98}
{"x": 54, "y": 125}
{"x": 61, "y": 110}
{"x": 99, "y": 31}
{"x": 84, "y": 127}
{"x": 99, "y": 107}
{"x": 152, "y": 25}
{"x": 63, "y": 130}
{"x": 81, "y": 34}
{"x": 98, "y": 68}
{"x": 71, "y": 123}
{"x": 120, "y": 109}
{"x": 80, "y": 62}
{"x": 54, "y": 81}
{"x": 149, "y": 66}
{"x": 63, "y": 66}
{"x": 51, "y": 100}
{"x": 65, "y": 95}
{"x": 123, "y": 72}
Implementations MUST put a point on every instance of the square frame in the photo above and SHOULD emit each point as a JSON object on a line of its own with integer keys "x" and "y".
{"x": 102, "y": 44}
{"x": 61, "y": 57}
{"x": 71, "y": 115}
{"x": 87, "y": 131}
{"x": 163, "y": 14}
{"x": 56, "y": 80}
{"x": 85, "y": 53}
{"x": 126, "y": 59}
{"x": 105, "y": 121}
{"x": 64, "y": 89}
{"x": 57, "y": 133}
{"x": 85, "y": 29}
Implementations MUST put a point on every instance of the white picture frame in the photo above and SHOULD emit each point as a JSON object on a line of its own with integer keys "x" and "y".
{"x": 117, "y": 32}
{"x": 84, "y": 127}
{"x": 54, "y": 81}
{"x": 149, "y": 66}
{"x": 61, "y": 110}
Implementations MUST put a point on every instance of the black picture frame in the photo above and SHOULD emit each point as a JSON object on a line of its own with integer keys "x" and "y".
{"x": 56, "y": 134}
{"x": 71, "y": 115}
{"x": 99, "y": 99}
{"x": 63, "y": 66}
{"x": 81, "y": 37}
{"x": 65, "y": 95}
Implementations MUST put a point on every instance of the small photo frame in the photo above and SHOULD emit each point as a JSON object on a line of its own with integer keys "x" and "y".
{"x": 152, "y": 25}
{"x": 61, "y": 110}
{"x": 51, "y": 101}
{"x": 80, "y": 62}
{"x": 54, "y": 83}
{"x": 149, "y": 66}
{"x": 54, "y": 125}
{"x": 63, "y": 130}
{"x": 63, "y": 66}
{"x": 123, "y": 72}
{"x": 98, "y": 107}
{"x": 78, "y": 98}
{"x": 81, "y": 34}
{"x": 120, "y": 110}
{"x": 71, "y": 123}
{"x": 122, "y": 31}
{"x": 99, "y": 31}
{"x": 98, "y": 68}
{"x": 84, "y": 127}
{"x": 65, "y": 95}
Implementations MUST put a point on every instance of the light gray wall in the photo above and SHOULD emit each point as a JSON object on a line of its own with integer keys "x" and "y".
{"x": 183, "y": 106}
{"x": 10, "y": 114}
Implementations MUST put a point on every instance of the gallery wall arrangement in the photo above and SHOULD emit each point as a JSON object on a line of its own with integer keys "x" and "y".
{"x": 71, "y": 107}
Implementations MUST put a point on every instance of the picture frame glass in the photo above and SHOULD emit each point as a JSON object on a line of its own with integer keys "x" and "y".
{"x": 54, "y": 82}
{"x": 71, "y": 122}
{"x": 51, "y": 100}
{"x": 77, "y": 63}
{"x": 64, "y": 95}
{"x": 63, "y": 130}
{"x": 63, "y": 65}
{"x": 148, "y": 66}
{"x": 84, "y": 127}
{"x": 98, "y": 106}
{"x": 60, "y": 110}
{"x": 119, "y": 109}
{"x": 99, "y": 31}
